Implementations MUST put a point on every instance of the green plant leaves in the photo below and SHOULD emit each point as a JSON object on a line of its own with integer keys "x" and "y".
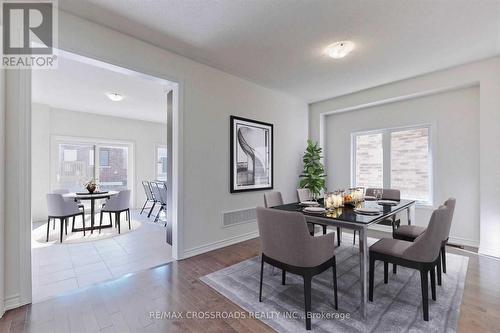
{"x": 313, "y": 176}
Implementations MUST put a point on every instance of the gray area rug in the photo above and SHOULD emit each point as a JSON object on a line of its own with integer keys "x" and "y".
{"x": 396, "y": 306}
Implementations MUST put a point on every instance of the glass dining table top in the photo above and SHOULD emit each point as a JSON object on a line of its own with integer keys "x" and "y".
{"x": 348, "y": 214}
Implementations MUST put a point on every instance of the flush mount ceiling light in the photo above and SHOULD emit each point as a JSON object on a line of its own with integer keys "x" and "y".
{"x": 115, "y": 97}
{"x": 339, "y": 49}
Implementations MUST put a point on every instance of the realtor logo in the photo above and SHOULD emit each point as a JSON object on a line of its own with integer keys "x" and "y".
{"x": 28, "y": 36}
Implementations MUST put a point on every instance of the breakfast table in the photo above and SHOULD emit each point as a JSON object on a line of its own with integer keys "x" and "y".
{"x": 92, "y": 197}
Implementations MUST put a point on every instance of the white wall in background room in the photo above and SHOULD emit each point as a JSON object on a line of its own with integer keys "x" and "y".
{"x": 454, "y": 120}
{"x": 48, "y": 122}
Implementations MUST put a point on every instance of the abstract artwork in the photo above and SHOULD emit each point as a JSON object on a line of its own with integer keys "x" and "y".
{"x": 251, "y": 155}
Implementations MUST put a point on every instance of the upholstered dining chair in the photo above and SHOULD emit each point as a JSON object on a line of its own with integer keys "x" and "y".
{"x": 387, "y": 194}
{"x": 61, "y": 209}
{"x": 274, "y": 198}
{"x": 423, "y": 254}
{"x": 66, "y": 191}
{"x": 411, "y": 232}
{"x": 288, "y": 245}
{"x": 149, "y": 195}
{"x": 117, "y": 204}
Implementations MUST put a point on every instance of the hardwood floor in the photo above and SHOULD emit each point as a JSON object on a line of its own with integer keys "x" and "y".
{"x": 124, "y": 305}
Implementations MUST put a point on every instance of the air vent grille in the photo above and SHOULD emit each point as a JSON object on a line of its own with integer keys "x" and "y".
{"x": 239, "y": 216}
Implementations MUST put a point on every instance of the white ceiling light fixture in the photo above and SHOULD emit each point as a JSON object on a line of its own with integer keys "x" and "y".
{"x": 115, "y": 97}
{"x": 339, "y": 49}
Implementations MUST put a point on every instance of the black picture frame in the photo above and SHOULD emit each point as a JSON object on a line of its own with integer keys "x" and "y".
{"x": 242, "y": 177}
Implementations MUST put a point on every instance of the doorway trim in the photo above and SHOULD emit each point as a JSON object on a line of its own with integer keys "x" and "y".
{"x": 21, "y": 84}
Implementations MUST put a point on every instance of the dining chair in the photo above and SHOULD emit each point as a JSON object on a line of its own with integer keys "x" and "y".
{"x": 155, "y": 190}
{"x": 59, "y": 208}
{"x": 274, "y": 198}
{"x": 411, "y": 232}
{"x": 423, "y": 255}
{"x": 303, "y": 194}
{"x": 117, "y": 204}
{"x": 66, "y": 191}
{"x": 287, "y": 245}
{"x": 149, "y": 195}
{"x": 387, "y": 194}
{"x": 163, "y": 194}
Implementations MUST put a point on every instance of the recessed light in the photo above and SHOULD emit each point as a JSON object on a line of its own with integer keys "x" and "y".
{"x": 115, "y": 97}
{"x": 339, "y": 49}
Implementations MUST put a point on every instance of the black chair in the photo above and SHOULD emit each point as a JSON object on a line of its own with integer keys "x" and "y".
{"x": 149, "y": 196}
{"x": 423, "y": 255}
{"x": 161, "y": 189}
{"x": 295, "y": 251}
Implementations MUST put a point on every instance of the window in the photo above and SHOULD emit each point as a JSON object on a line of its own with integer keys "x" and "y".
{"x": 161, "y": 163}
{"x": 78, "y": 161}
{"x": 395, "y": 158}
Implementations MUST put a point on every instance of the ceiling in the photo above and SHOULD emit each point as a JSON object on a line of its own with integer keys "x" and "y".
{"x": 81, "y": 86}
{"x": 279, "y": 43}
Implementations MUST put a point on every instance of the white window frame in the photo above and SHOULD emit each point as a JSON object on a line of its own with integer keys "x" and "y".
{"x": 158, "y": 146}
{"x": 55, "y": 140}
{"x": 386, "y": 146}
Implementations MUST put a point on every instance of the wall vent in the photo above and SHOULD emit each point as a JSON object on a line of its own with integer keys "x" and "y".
{"x": 239, "y": 216}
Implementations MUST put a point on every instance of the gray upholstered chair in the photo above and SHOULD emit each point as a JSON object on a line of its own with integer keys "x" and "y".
{"x": 303, "y": 194}
{"x": 423, "y": 254}
{"x": 117, "y": 204}
{"x": 287, "y": 244}
{"x": 66, "y": 191}
{"x": 274, "y": 198}
{"x": 387, "y": 194}
{"x": 411, "y": 232}
{"x": 61, "y": 209}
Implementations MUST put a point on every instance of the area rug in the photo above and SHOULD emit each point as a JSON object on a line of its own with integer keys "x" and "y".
{"x": 396, "y": 307}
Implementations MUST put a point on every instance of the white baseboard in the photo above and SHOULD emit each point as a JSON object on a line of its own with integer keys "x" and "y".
{"x": 463, "y": 241}
{"x": 12, "y": 302}
{"x": 194, "y": 251}
{"x": 489, "y": 252}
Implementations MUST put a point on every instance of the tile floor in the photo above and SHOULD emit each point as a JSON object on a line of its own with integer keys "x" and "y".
{"x": 59, "y": 268}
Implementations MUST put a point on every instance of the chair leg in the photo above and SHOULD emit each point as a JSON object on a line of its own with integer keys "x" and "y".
{"x": 100, "y": 222}
{"x": 354, "y": 238}
{"x": 443, "y": 257}
{"x": 433, "y": 282}
{"x": 61, "y": 231}
{"x": 151, "y": 210}
{"x": 261, "y": 276}
{"x": 83, "y": 223}
{"x": 66, "y": 226}
{"x": 307, "y": 300}
{"x": 339, "y": 236}
{"x": 54, "y": 225}
{"x": 283, "y": 277}
{"x": 118, "y": 221}
{"x": 394, "y": 268}
{"x": 73, "y": 223}
{"x": 48, "y": 227}
{"x": 386, "y": 272}
{"x": 439, "y": 271}
{"x": 334, "y": 269}
{"x": 128, "y": 218}
{"x": 143, "y": 206}
{"x": 158, "y": 214}
{"x": 425, "y": 293}
{"x": 371, "y": 276}
{"x": 324, "y": 229}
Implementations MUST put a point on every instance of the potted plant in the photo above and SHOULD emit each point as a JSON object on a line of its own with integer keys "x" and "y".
{"x": 313, "y": 176}
{"x": 91, "y": 185}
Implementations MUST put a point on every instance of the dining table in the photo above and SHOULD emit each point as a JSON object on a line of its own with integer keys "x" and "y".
{"x": 92, "y": 197}
{"x": 348, "y": 217}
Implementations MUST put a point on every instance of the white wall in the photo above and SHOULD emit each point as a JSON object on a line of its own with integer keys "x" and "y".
{"x": 486, "y": 74}
{"x": 454, "y": 120}
{"x": 48, "y": 122}
{"x": 207, "y": 98}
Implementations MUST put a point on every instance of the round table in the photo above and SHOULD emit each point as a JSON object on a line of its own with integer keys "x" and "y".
{"x": 92, "y": 197}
